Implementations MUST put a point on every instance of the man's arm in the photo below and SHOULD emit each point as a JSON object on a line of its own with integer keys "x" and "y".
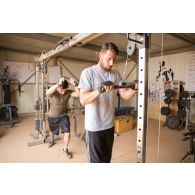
{"x": 87, "y": 96}
{"x": 76, "y": 92}
{"x": 127, "y": 94}
{"x": 51, "y": 90}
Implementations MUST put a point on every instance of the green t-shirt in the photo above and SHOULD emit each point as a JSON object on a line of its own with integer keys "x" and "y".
{"x": 58, "y": 104}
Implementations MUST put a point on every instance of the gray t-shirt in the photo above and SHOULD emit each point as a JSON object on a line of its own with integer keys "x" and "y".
{"x": 99, "y": 115}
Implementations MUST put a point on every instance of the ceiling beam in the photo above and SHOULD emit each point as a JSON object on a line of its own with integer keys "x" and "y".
{"x": 91, "y": 38}
{"x": 38, "y": 36}
{"x": 62, "y": 47}
{"x": 77, "y": 59}
{"x": 174, "y": 51}
{"x": 182, "y": 37}
{"x": 38, "y": 54}
{"x": 19, "y": 51}
{"x": 187, "y": 37}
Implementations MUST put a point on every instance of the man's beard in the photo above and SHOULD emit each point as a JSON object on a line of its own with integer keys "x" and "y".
{"x": 104, "y": 68}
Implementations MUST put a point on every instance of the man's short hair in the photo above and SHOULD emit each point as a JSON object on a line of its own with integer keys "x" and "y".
{"x": 109, "y": 46}
{"x": 64, "y": 85}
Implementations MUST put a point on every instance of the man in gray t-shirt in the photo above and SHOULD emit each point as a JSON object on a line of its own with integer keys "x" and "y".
{"x": 97, "y": 93}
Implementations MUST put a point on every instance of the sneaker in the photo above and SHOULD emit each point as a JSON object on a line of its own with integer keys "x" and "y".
{"x": 51, "y": 143}
{"x": 67, "y": 153}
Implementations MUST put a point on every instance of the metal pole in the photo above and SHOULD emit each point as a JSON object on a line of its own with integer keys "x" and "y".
{"x": 142, "y": 100}
{"x": 44, "y": 70}
{"x": 37, "y": 89}
{"x": 10, "y": 116}
{"x": 47, "y": 99}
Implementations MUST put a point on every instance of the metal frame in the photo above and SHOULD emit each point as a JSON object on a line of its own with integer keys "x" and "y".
{"x": 142, "y": 105}
{"x": 40, "y": 135}
{"x": 62, "y": 47}
{"x": 65, "y": 67}
{"x": 141, "y": 42}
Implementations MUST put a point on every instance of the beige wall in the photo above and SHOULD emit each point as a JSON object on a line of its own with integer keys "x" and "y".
{"x": 177, "y": 62}
{"x": 25, "y": 102}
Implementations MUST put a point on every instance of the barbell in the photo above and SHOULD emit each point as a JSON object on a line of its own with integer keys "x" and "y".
{"x": 130, "y": 85}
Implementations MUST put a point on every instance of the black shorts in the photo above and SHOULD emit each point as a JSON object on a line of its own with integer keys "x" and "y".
{"x": 99, "y": 145}
{"x": 55, "y": 123}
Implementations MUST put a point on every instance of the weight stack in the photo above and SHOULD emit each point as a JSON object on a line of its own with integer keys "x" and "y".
{"x": 4, "y": 112}
{"x": 6, "y": 94}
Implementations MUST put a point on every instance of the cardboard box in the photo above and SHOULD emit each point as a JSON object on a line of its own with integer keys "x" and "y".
{"x": 123, "y": 124}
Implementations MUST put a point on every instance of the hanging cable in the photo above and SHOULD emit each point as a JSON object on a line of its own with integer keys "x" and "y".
{"x": 160, "y": 94}
{"x": 125, "y": 70}
{"x": 148, "y": 83}
{"x": 126, "y": 63}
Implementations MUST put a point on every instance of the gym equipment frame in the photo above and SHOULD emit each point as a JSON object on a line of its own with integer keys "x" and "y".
{"x": 39, "y": 134}
{"x": 141, "y": 42}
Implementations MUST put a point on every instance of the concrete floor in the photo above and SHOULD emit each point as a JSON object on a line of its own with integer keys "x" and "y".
{"x": 14, "y": 145}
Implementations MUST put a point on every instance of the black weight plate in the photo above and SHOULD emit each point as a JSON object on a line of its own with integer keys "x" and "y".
{"x": 173, "y": 122}
{"x": 167, "y": 100}
{"x": 182, "y": 103}
{"x": 184, "y": 94}
{"x": 181, "y": 114}
{"x": 169, "y": 93}
{"x": 165, "y": 111}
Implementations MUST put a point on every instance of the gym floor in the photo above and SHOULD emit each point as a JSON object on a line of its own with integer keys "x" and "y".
{"x": 14, "y": 145}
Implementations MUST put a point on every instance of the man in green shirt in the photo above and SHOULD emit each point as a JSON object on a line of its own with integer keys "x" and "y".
{"x": 59, "y": 95}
